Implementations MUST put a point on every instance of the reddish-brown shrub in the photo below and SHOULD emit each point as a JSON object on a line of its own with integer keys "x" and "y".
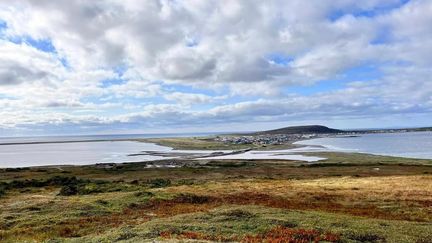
{"x": 288, "y": 235}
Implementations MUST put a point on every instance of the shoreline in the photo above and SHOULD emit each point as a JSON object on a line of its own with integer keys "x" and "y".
{"x": 205, "y": 148}
{"x": 145, "y": 139}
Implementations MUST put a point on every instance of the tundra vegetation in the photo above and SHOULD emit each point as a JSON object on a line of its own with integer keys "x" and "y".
{"x": 346, "y": 198}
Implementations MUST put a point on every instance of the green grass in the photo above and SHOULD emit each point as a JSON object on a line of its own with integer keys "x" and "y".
{"x": 338, "y": 158}
{"x": 208, "y": 143}
{"x": 336, "y": 164}
{"x": 198, "y": 143}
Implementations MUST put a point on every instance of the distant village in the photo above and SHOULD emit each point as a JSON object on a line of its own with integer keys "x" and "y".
{"x": 268, "y": 139}
{"x": 277, "y": 139}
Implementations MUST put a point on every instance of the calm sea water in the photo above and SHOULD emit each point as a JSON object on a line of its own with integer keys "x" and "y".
{"x": 79, "y": 153}
{"x": 42, "y": 151}
{"x": 410, "y": 145}
{"x": 44, "y": 139}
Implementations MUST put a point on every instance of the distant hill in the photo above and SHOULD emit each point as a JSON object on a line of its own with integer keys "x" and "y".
{"x": 301, "y": 130}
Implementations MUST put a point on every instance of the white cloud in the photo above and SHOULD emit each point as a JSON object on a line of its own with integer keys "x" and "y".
{"x": 248, "y": 53}
{"x": 20, "y": 64}
{"x": 190, "y": 98}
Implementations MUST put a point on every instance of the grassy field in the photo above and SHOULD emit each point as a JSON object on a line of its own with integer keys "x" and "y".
{"x": 208, "y": 143}
{"x": 347, "y": 198}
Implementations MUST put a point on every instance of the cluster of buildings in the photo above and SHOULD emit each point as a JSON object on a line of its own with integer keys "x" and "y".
{"x": 268, "y": 139}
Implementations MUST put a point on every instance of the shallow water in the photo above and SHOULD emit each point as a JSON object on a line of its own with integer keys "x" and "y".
{"x": 83, "y": 153}
{"x": 78, "y": 153}
{"x": 409, "y": 145}
{"x": 45, "y": 139}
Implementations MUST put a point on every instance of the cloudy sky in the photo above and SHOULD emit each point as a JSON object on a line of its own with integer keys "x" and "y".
{"x": 128, "y": 66}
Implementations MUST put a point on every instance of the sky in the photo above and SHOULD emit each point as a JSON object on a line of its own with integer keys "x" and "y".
{"x": 172, "y": 66}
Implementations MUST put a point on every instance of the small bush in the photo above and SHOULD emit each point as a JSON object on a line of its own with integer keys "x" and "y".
{"x": 125, "y": 234}
{"x": 187, "y": 182}
{"x": 41, "y": 170}
{"x": 69, "y": 190}
{"x": 284, "y": 223}
{"x": 85, "y": 189}
{"x": 366, "y": 237}
{"x": 2, "y": 191}
{"x": 133, "y": 205}
{"x": 191, "y": 235}
{"x": 229, "y": 164}
{"x": 69, "y": 231}
{"x": 135, "y": 182}
{"x": 64, "y": 180}
{"x": 15, "y": 169}
{"x": 34, "y": 208}
{"x": 238, "y": 214}
{"x": 143, "y": 194}
{"x": 69, "y": 185}
{"x": 191, "y": 198}
{"x": 102, "y": 202}
{"x": 159, "y": 183}
{"x": 427, "y": 239}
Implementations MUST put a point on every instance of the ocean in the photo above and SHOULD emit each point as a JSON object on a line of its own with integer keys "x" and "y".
{"x": 43, "y": 151}
{"x": 409, "y": 144}
{"x": 78, "y": 150}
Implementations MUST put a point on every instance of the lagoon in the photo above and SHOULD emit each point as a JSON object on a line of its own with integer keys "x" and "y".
{"x": 75, "y": 153}
{"x": 85, "y": 153}
{"x": 410, "y": 145}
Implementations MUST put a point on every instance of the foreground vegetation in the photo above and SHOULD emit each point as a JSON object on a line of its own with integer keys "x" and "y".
{"x": 347, "y": 198}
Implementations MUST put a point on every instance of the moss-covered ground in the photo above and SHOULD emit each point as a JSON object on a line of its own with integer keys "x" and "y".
{"x": 347, "y": 198}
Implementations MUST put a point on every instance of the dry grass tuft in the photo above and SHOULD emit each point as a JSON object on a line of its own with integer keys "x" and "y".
{"x": 278, "y": 234}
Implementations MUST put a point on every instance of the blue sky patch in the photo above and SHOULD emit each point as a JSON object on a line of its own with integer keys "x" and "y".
{"x": 188, "y": 89}
{"x": 65, "y": 62}
{"x": 382, "y": 37}
{"x": 319, "y": 87}
{"x": 280, "y": 58}
{"x": 110, "y": 82}
{"x": 366, "y": 72}
{"x": 191, "y": 42}
{"x": 44, "y": 45}
{"x": 3, "y": 25}
{"x": 368, "y": 13}
{"x": 120, "y": 69}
